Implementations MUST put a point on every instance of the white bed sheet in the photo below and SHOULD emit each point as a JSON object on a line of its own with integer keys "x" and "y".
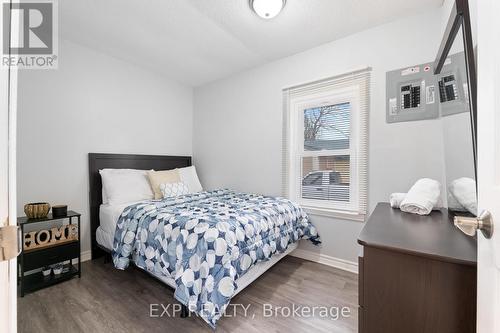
{"x": 108, "y": 217}
{"x": 109, "y": 214}
{"x": 104, "y": 238}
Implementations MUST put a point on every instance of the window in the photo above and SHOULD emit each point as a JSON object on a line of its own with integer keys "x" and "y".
{"x": 325, "y": 144}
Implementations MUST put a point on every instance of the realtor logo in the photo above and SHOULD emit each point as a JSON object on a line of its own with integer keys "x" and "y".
{"x": 29, "y": 34}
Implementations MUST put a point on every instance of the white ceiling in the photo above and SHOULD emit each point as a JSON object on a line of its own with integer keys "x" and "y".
{"x": 198, "y": 41}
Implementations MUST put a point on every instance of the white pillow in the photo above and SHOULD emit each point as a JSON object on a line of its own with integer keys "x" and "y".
{"x": 125, "y": 185}
{"x": 174, "y": 189}
{"x": 105, "y": 200}
{"x": 190, "y": 178}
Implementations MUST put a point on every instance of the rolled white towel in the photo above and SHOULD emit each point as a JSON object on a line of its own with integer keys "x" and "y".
{"x": 422, "y": 197}
{"x": 453, "y": 204}
{"x": 464, "y": 191}
{"x": 395, "y": 199}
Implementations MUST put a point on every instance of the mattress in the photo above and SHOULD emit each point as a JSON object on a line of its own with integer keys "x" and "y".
{"x": 109, "y": 215}
{"x": 104, "y": 238}
{"x": 253, "y": 273}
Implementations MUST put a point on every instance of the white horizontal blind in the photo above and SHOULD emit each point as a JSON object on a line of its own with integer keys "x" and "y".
{"x": 325, "y": 133}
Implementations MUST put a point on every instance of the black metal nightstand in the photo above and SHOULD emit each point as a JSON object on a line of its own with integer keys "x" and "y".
{"x": 37, "y": 258}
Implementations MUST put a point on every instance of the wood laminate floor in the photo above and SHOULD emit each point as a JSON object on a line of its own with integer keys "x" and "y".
{"x": 109, "y": 300}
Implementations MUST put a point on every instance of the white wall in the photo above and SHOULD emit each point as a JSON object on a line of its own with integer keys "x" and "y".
{"x": 238, "y": 121}
{"x": 92, "y": 103}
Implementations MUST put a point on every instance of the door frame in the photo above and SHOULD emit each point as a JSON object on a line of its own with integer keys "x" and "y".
{"x": 488, "y": 303}
{"x": 8, "y": 109}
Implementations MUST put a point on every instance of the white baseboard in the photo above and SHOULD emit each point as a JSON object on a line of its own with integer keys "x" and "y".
{"x": 324, "y": 259}
{"x": 86, "y": 255}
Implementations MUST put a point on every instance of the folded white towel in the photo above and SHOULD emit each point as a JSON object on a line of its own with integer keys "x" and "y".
{"x": 396, "y": 198}
{"x": 464, "y": 191}
{"x": 422, "y": 197}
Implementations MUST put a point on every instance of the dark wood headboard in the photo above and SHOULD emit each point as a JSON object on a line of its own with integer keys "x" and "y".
{"x": 121, "y": 161}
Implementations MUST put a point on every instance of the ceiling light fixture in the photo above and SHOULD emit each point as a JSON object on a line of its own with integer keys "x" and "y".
{"x": 267, "y": 9}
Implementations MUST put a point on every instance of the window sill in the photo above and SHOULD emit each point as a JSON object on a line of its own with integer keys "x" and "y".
{"x": 335, "y": 213}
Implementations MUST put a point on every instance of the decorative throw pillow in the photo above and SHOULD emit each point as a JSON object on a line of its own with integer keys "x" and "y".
{"x": 156, "y": 178}
{"x": 174, "y": 189}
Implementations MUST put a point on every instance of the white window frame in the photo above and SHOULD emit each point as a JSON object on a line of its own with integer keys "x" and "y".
{"x": 331, "y": 94}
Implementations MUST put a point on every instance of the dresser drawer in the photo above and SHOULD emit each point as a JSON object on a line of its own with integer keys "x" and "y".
{"x": 361, "y": 276}
{"x": 39, "y": 258}
{"x": 361, "y": 320}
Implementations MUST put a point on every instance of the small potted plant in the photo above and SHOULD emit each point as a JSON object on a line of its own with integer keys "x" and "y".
{"x": 46, "y": 271}
{"x": 57, "y": 268}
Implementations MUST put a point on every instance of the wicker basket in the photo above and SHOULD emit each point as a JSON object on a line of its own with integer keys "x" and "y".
{"x": 37, "y": 210}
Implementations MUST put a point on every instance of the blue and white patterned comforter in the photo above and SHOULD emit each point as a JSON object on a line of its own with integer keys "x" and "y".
{"x": 206, "y": 241}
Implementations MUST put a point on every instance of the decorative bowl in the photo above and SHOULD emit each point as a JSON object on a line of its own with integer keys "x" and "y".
{"x": 36, "y": 210}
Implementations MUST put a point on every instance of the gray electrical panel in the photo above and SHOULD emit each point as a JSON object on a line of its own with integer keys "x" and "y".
{"x": 412, "y": 94}
{"x": 453, "y": 88}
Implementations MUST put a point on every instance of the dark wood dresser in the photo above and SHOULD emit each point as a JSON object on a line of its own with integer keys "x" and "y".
{"x": 416, "y": 274}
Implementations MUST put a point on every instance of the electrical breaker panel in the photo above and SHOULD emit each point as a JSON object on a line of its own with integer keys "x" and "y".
{"x": 412, "y": 94}
{"x": 453, "y": 88}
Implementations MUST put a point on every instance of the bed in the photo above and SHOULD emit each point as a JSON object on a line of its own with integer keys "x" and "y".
{"x": 225, "y": 263}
